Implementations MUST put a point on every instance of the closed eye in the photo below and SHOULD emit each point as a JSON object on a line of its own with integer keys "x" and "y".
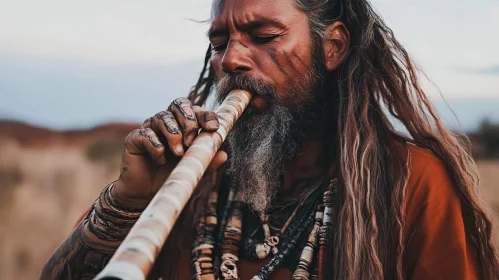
{"x": 256, "y": 39}
{"x": 264, "y": 39}
{"x": 219, "y": 48}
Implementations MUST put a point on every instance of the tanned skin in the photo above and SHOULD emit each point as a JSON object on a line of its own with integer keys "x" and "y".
{"x": 263, "y": 39}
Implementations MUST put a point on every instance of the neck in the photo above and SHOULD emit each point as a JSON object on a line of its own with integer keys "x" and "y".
{"x": 309, "y": 163}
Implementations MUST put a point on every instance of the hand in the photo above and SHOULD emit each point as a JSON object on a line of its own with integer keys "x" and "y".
{"x": 152, "y": 151}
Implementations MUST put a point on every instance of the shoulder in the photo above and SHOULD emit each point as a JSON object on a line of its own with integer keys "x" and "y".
{"x": 431, "y": 194}
{"x": 429, "y": 178}
{"x": 436, "y": 246}
{"x": 424, "y": 164}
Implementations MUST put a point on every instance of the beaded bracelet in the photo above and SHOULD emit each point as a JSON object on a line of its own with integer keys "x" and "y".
{"x": 108, "y": 219}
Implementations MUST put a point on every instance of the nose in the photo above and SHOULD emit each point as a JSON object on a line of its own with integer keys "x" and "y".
{"x": 236, "y": 59}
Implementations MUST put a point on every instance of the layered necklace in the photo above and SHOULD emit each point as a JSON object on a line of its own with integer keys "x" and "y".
{"x": 217, "y": 257}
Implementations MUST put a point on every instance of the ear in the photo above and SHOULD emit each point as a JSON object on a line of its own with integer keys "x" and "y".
{"x": 336, "y": 45}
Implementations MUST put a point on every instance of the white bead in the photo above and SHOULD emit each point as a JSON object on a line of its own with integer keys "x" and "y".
{"x": 262, "y": 250}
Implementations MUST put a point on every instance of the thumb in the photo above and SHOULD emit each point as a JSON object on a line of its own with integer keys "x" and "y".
{"x": 217, "y": 162}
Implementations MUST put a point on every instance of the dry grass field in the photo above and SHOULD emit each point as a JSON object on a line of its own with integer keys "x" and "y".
{"x": 45, "y": 193}
{"x": 489, "y": 176}
{"x": 44, "y": 189}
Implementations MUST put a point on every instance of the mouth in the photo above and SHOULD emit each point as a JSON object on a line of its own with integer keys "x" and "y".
{"x": 259, "y": 103}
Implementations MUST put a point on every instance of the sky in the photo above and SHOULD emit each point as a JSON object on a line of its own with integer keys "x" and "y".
{"x": 67, "y": 64}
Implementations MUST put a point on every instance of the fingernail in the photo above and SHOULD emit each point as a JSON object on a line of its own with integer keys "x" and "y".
{"x": 179, "y": 149}
{"x": 189, "y": 139}
{"x": 212, "y": 124}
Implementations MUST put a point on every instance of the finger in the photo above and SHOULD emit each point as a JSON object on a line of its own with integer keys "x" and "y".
{"x": 152, "y": 145}
{"x": 147, "y": 123}
{"x": 217, "y": 162}
{"x": 208, "y": 120}
{"x": 182, "y": 110}
{"x": 145, "y": 141}
{"x": 165, "y": 123}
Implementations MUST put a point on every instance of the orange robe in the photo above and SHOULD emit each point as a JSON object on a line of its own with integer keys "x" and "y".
{"x": 436, "y": 246}
{"x": 436, "y": 242}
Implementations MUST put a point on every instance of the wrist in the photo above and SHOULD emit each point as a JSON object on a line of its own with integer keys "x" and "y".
{"x": 110, "y": 221}
{"x": 126, "y": 201}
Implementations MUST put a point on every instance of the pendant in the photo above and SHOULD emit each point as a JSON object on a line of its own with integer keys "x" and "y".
{"x": 255, "y": 250}
{"x": 229, "y": 267}
{"x": 273, "y": 241}
{"x": 262, "y": 250}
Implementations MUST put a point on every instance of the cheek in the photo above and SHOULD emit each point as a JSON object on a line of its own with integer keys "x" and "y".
{"x": 216, "y": 63}
{"x": 285, "y": 65}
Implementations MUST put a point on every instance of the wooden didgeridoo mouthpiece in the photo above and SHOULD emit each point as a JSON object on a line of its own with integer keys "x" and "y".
{"x": 136, "y": 255}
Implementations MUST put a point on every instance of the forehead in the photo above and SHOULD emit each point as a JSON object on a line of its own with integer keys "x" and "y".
{"x": 244, "y": 11}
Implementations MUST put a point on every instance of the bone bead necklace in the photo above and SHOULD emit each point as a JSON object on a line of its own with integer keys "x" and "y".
{"x": 317, "y": 224}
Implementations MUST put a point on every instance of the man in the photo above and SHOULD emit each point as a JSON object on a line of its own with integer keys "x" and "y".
{"x": 318, "y": 183}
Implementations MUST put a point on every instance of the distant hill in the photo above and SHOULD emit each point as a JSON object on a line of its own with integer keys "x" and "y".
{"x": 29, "y": 135}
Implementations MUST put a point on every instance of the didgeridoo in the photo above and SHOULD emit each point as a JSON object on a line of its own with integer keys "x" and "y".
{"x": 136, "y": 255}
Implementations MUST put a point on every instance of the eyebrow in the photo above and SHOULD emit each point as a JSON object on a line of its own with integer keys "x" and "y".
{"x": 255, "y": 24}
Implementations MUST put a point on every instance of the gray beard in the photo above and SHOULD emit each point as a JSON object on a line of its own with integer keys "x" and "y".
{"x": 259, "y": 146}
{"x": 258, "y": 151}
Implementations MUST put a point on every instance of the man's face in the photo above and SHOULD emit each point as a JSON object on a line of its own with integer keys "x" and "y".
{"x": 266, "y": 40}
{"x": 265, "y": 46}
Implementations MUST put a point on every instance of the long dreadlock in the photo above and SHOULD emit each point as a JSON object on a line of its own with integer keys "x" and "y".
{"x": 378, "y": 74}
{"x": 200, "y": 92}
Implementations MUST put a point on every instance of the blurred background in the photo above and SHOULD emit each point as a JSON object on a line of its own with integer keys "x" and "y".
{"x": 77, "y": 76}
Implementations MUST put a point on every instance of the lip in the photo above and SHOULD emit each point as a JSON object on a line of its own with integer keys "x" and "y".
{"x": 259, "y": 102}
